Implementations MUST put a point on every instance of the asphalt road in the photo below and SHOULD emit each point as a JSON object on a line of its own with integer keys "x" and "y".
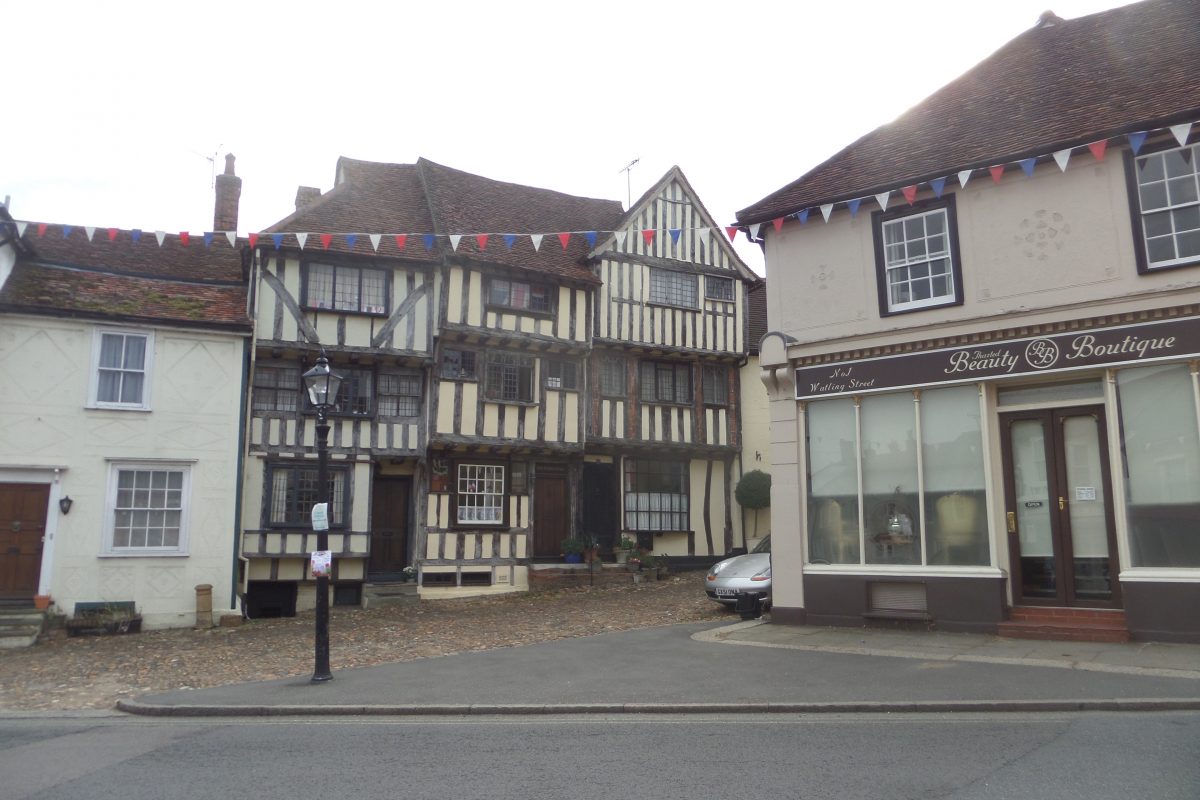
{"x": 1096, "y": 756}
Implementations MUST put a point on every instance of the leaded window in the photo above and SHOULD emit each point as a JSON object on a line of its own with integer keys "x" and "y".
{"x": 612, "y": 377}
{"x": 561, "y": 374}
{"x": 671, "y": 288}
{"x": 664, "y": 382}
{"x": 342, "y": 288}
{"x": 509, "y": 378}
{"x": 399, "y": 394}
{"x": 717, "y": 288}
{"x": 276, "y": 387}
{"x": 716, "y": 385}
{"x": 292, "y": 492}
{"x": 520, "y": 296}
{"x": 458, "y": 365}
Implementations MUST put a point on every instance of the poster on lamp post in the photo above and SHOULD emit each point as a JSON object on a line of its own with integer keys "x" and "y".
{"x": 320, "y": 517}
{"x": 322, "y": 563}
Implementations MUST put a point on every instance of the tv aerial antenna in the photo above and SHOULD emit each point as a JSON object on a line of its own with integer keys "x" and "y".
{"x": 628, "y": 169}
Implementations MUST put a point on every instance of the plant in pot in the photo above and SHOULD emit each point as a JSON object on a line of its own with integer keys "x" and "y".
{"x": 625, "y": 549}
{"x": 648, "y": 563}
{"x": 591, "y": 551}
{"x": 572, "y": 550}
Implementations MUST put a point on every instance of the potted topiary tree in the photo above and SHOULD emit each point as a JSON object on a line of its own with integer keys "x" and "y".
{"x": 572, "y": 550}
{"x": 754, "y": 492}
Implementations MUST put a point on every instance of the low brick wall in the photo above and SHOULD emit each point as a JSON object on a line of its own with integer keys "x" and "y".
{"x": 560, "y": 576}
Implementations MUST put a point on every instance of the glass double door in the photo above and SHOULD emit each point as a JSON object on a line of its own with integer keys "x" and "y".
{"x": 1059, "y": 511}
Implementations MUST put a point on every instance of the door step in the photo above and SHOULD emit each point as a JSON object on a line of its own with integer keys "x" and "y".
{"x": 1067, "y": 624}
{"x": 387, "y": 593}
{"x": 20, "y": 627}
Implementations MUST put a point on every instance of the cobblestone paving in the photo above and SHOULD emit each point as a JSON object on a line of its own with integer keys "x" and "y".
{"x": 93, "y": 672}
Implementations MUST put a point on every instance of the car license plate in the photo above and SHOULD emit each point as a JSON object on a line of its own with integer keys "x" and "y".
{"x": 727, "y": 592}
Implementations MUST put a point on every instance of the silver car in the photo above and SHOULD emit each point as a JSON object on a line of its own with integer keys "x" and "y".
{"x": 745, "y": 577}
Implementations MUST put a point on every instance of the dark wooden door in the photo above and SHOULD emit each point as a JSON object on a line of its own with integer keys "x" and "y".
{"x": 598, "y": 498}
{"x": 1058, "y": 507}
{"x": 22, "y": 526}
{"x": 389, "y": 525}
{"x": 551, "y": 523}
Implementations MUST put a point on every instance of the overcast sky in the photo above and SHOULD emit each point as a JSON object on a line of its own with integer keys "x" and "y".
{"x": 115, "y": 111}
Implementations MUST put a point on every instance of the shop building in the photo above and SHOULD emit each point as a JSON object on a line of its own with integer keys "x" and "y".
{"x": 984, "y": 347}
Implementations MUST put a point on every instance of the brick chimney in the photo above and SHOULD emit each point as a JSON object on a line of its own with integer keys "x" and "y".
{"x": 306, "y": 196}
{"x": 229, "y": 192}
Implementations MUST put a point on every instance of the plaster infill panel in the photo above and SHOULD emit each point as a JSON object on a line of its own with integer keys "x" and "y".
{"x": 826, "y": 273}
{"x": 1049, "y": 239}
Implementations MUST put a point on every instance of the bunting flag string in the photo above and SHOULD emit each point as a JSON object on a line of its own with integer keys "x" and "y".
{"x": 1181, "y": 133}
{"x": 1098, "y": 149}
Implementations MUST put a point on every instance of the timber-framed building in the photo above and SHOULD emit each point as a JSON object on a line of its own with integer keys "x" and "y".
{"x": 522, "y": 366}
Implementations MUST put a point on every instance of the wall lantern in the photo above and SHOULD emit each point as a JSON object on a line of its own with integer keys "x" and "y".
{"x": 64, "y": 504}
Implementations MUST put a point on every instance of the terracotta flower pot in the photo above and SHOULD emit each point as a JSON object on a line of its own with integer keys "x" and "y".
{"x": 41, "y": 601}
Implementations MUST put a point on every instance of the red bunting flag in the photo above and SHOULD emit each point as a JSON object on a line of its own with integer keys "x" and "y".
{"x": 1098, "y": 148}
{"x": 996, "y": 172}
{"x": 563, "y": 238}
{"x": 41, "y": 229}
{"x": 910, "y": 194}
{"x": 326, "y": 238}
{"x": 648, "y": 236}
{"x": 401, "y": 239}
{"x": 481, "y": 240}
{"x": 731, "y": 232}
{"x": 185, "y": 237}
{"x": 778, "y": 223}
{"x": 112, "y": 234}
{"x": 253, "y": 240}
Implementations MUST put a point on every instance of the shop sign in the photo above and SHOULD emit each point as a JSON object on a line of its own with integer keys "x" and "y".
{"x": 1067, "y": 351}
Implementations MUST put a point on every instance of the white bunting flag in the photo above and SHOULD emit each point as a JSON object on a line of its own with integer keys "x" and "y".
{"x": 160, "y": 235}
{"x": 301, "y": 238}
{"x": 963, "y": 177}
{"x": 754, "y": 230}
{"x": 882, "y": 199}
{"x": 21, "y": 226}
{"x": 621, "y": 236}
{"x": 1061, "y": 157}
{"x": 90, "y": 231}
{"x": 536, "y": 239}
{"x": 232, "y": 237}
{"x": 1181, "y": 132}
{"x": 455, "y": 238}
{"x": 376, "y": 238}
{"x": 826, "y": 210}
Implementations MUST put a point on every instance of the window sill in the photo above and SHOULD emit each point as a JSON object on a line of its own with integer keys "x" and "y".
{"x": 892, "y": 312}
{"x": 102, "y": 407}
{"x": 498, "y": 401}
{"x": 144, "y": 554}
{"x": 672, "y": 305}
{"x": 378, "y": 314}
{"x": 524, "y": 312}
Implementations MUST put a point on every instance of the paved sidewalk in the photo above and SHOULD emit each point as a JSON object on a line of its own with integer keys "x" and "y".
{"x": 1128, "y": 658}
{"x": 737, "y": 668}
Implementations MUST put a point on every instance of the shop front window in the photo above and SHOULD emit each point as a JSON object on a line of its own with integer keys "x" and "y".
{"x": 921, "y": 497}
{"x": 1160, "y": 446}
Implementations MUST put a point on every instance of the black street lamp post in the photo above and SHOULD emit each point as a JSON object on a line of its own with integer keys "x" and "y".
{"x": 322, "y": 385}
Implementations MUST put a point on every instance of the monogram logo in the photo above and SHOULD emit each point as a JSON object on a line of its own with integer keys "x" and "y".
{"x": 1041, "y": 353}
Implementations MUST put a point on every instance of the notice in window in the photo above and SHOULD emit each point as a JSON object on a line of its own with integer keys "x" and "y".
{"x": 1085, "y": 493}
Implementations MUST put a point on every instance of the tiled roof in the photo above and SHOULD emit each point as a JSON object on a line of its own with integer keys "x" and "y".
{"x": 128, "y": 281}
{"x": 426, "y": 197}
{"x": 368, "y": 198}
{"x": 1057, "y": 85}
